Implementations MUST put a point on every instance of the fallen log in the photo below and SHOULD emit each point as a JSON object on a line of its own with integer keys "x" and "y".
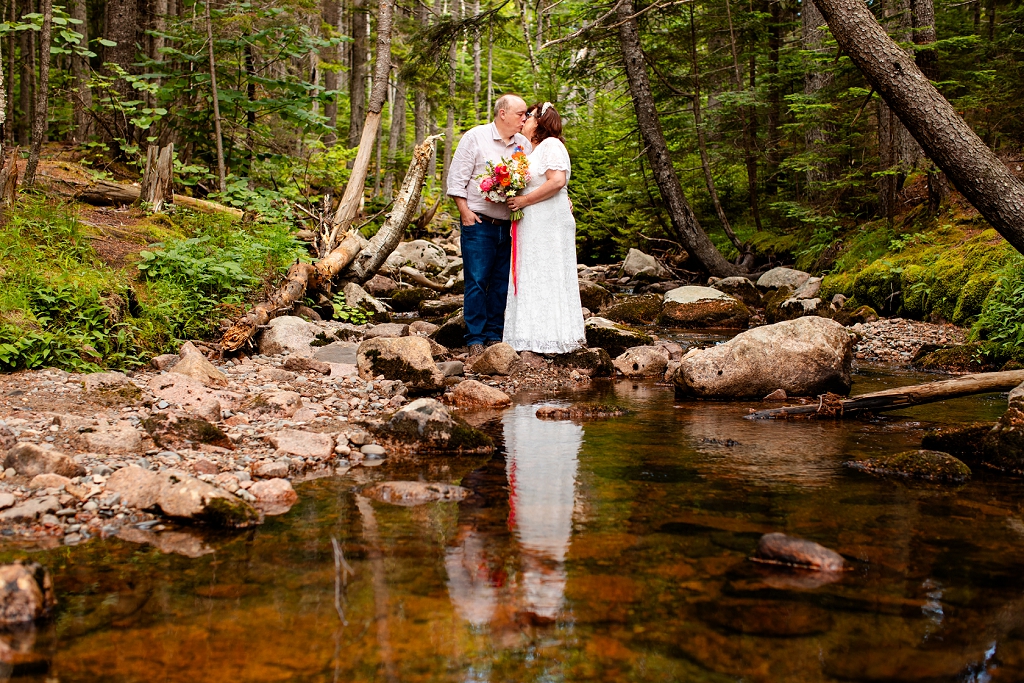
{"x": 900, "y": 397}
{"x": 106, "y": 193}
{"x": 284, "y": 299}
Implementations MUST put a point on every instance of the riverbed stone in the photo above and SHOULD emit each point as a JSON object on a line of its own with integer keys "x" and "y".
{"x": 446, "y": 305}
{"x": 275, "y": 404}
{"x": 302, "y": 443}
{"x": 740, "y": 288}
{"x": 26, "y": 593}
{"x": 139, "y": 488}
{"x": 643, "y": 361}
{"x": 342, "y": 352}
{"x": 779, "y": 548}
{"x": 408, "y": 359}
{"x": 792, "y": 308}
{"x": 637, "y": 263}
{"x": 186, "y": 497}
{"x": 358, "y": 297}
{"x": 422, "y": 255}
{"x": 29, "y": 460}
{"x": 288, "y": 333}
{"x": 594, "y": 296}
{"x": 422, "y": 328}
{"x": 30, "y": 509}
{"x": 380, "y": 286}
{"x": 165, "y": 361}
{"x": 590, "y": 362}
{"x": 49, "y": 480}
{"x": 410, "y": 493}
{"x": 426, "y": 425}
{"x": 782, "y": 277}
{"x": 119, "y": 438}
{"x": 271, "y": 469}
{"x": 306, "y": 365}
{"x": 803, "y": 357}
{"x": 452, "y": 332}
{"x": 453, "y": 368}
{"x": 170, "y": 430}
{"x": 642, "y": 309}
{"x": 268, "y": 373}
{"x": 612, "y": 337}
{"x": 702, "y": 307}
{"x": 473, "y": 394}
{"x": 809, "y": 289}
{"x": 195, "y": 365}
{"x": 105, "y": 381}
{"x": 918, "y": 464}
{"x": 497, "y": 359}
{"x": 387, "y": 330}
{"x": 191, "y": 395}
{"x": 274, "y": 494}
{"x": 409, "y": 299}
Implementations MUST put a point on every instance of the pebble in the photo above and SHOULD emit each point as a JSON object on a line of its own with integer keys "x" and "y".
{"x": 896, "y": 340}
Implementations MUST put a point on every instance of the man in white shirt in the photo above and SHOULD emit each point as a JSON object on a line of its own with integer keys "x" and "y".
{"x": 486, "y": 239}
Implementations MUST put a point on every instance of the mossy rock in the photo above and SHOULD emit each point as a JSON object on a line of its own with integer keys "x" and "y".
{"x": 963, "y": 442}
{"x": 404, "y": 300}
{"x": 168, "y": 433}
{"x": 615, "y": 339}
{"x": 595, "y": 362}
{"x": 879, "y": 286}
{"x": 970, "y": 357}
{"x": 860, "y": 314}
{"x": 773, "y": 300}
{"x": 972, "y": 296}
{"x": 916, "y": 291}
{"x": 837, "y": 283}
{"x": 638, "y": 310}
{"x": 919, "y": 464}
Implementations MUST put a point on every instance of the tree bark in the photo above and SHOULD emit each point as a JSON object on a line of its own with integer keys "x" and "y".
{"x": 121, "y": 25}
{"x": 395, "y": 135}
{"x": 684, "y": 222}
{"x": 774, "y": 98}
{"x": 946, "y": 138}
{"x": 27, "y": 83}
{"x": 897, "y": 151}
{"x": 221, "y": 171}
{"x": 157, "y": 186}
{"x": 80, "y": 72}
{"x": 449, "y": 127}
{"x": 329, "y": 15}
{"x": 927, "y": 58}
{"x": 357, "y": 73}
{"x": 39, "y": 118}
{"x": 746, "y": 121}
{"x": 348, "y": 208}
{"x": 902, "y": 397}
{"x": 819, "y": 134}
{"x": 476, "y": 67}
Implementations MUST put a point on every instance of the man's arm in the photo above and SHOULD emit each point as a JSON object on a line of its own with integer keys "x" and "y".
{"x": 460, "y": 175}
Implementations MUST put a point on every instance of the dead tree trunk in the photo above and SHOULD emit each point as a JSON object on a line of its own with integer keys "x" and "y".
{"x": 348, "y": 208}
{"x": 901, "y": 397}
{"x": 946, "y": 138}
{"x": 684, "y": 222}
{"x": 281, "y": 301}
{"x": 157, "y": 186}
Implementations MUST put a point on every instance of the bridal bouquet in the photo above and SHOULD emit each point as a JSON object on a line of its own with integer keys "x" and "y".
{"x": 506, "y": 179}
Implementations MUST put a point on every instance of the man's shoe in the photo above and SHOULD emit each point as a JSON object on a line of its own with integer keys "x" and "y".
{"x": 492, "y": 343}
{"x": 475, "y": 350}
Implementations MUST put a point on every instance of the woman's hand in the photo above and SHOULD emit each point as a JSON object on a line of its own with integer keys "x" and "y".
{"x": 517, "y": 203}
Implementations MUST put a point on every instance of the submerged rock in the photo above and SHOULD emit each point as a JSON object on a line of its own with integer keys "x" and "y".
{"x": 409, "y": 493}
{"x": 803, "y": 357}
{"x": 613, "y": 338}
{"x": 580, "y": 411}
{"x": 426, "y": 425}
{"x": 26, "y": 593}
{"x": 643, "y": 361}
{"x": 407, "y": 359}
{"x": 702, "y": 307}
{"x": 642, "y": 309}
{"x": 779, "y": 548}
{"x": 920, "y": 464}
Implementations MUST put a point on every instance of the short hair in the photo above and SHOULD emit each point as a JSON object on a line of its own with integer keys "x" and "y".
{"x": 549, "y": 123}
{"x": 505, "y": 101}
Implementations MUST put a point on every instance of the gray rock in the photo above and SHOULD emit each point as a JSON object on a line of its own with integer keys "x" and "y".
{"x": 271, "y": 469}
{"x": 422, "y": 328}
{"x": 164, "y": 361}
{"x": 782, "y": 277}
{"x": 338, "y": 352}
{"x": 410, "y": 493}
{"x": 373, "y": 449}
{"x": 798, "y": 552}
{"x": 422, "y": 255}
{"x": 190, "y": 394}
{"x": 271, "y": 374}
{"x": 303, "y": 444}
{"x": 29, "y": 459}
{"x": 301, "y": 364}
{"x": 739, "y": 288}
{"x": 615, "y": 339}
{"x": 277, "y": 404}
{"x": 26, "y": 593}
{"x": 118, "y": 438}
{"x": 380, "y": 285}
{"x": 498, "y": 359}
{"x": 30, "y": 509}
{"x": 794, "y": 307}
{"x": 360, "y": 298}
{"x": 809, "y": 289}
{"x": 643, "y": 361}
{"x": 195, "y": 365}
{"x": 639, "y": 263}
{"x": 702, "y": 307}
{"x": 803, "y": 357}
{"x": 387, "y": 330}
{"x": 594, "y": 296}
{"x": 288, "y": 333}
{"x": 407, "y": 359}
{"x": 106, "y": 381}
{"x": 453, "y": 368}
{"x": 426, "y": 425}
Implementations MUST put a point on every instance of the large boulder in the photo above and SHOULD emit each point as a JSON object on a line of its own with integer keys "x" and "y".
{"x": 918, "y": 464}
{"x": 643, "y": 361}
{"x": 407, "y": 359}
{"x": 195, "y": 365}
{"x": 644, "y": 266}
{"x": 26, "y": 593}
{"x": 641, "y": 309}
{"x": 782, "y": 277}
{"x": 613, "y": 338}
{"x": 426, "y": 425}
{"x": 741, "y": 288}
{"x": 594, "y": 296}
{"x": 288, "y": 333}
{"x": 29, "y": 459}
{"x": 181, "y": 495}
{"x": 590, "y": 362}
{"x": 702, "y": 307}
{"x": 422, "y": 255}
{"x": 497, "y": 359}
{"x": 358, "y": 297}
{"x": 803, "y": 357}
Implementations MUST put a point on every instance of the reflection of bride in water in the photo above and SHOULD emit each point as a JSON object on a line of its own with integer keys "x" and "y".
{"x": 540, "y": 466}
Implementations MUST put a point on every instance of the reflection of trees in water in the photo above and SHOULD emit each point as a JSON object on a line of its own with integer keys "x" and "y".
{"x": 492, "y": 575}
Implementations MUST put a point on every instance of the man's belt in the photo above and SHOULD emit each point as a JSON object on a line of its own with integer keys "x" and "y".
{"x": 501, "y": 222}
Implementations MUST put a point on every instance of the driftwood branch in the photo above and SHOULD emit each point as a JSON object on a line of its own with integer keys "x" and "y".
{"x": 901, "y": 397}
{"x": 283, "y": 299}
{"x": 106, "y": 193}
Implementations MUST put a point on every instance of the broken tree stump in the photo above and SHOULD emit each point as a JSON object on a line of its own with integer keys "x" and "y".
{"x": 900, "y": 397}
{"x": 157, "y": 186}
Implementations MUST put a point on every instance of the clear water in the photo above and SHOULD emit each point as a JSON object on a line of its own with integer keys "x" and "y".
{"x": 610, "y": 551}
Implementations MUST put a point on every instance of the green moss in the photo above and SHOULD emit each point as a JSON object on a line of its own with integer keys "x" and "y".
{"x": 920, "y": 464}
{"x": 972, "y": 296}
{"x": 836, "y": 283}
{"x": 617, "y": 339}
{"x": 638, "y": 310}
{"x": 409, "y": 299}
{"x": 225, "y": 512}
{"x": 878, "y": 285}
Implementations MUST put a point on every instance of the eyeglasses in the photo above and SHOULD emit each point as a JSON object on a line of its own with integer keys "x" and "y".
{"x": 530, "y": 114}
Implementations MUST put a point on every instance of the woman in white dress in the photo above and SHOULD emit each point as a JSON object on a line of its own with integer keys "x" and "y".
{"x": 543, "y": 312}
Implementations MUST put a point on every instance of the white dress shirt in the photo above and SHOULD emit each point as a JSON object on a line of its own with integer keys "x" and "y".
{"x": 478, "y": 146}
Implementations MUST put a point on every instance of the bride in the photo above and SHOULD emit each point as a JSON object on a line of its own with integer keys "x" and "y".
{"x": 543, "y": 312}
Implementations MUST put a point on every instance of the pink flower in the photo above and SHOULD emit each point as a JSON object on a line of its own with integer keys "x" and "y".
{"x": 486, "y": 184}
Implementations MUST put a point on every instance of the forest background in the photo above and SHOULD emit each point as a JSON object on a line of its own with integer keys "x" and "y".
{"x": 783, "y": 150}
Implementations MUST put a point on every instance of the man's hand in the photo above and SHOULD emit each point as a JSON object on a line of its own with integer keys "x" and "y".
{"x": 466, "y": 215}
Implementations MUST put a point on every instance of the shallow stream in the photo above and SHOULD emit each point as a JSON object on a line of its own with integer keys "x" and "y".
{"x": 615, "y": 550}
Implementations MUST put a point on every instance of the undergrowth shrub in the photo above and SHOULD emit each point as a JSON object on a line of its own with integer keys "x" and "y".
{"x": 1002, "y": 313}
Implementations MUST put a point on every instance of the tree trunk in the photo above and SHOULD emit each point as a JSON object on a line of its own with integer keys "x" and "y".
{"x": 121, "y": 25}
{"x": 221, "y": 171}
{"x": 746, "y": 121}
{"x": 329, "y": 14}
{"x": 39, "y": 119}
{"x": 923, "y": 19}
{"x": 27, "y": 83}
{"x": 395, "y": 135}
{"x": 82, "y": 102}
{"x": 157, "y": 186}
{"x": 684, "y": 223}
{"x": 896, "y": 149}
{"x": 348, "y": 208}
{"x": 490, "y": 71}
{"x": 449, "y": 127}
{"x": 357, "y": 73}
{"x": 476, "y": 66}
{"x": 946, "y": 138}
{"x": 819, "y": 134}
{"x": 774, "y": 98}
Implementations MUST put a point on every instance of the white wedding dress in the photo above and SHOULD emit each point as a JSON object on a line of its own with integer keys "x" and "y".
{"x": 543, "y": 312}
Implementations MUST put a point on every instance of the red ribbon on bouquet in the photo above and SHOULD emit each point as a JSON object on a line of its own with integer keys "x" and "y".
{"x": 515, "y": 277}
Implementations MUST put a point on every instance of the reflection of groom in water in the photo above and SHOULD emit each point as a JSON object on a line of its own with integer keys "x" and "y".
{"x": 486, "y": 242}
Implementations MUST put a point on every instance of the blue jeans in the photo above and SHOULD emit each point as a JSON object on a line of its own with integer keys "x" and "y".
{"x": 486, "y": 259}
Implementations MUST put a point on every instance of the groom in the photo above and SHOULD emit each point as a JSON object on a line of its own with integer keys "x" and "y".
{"x": 486, "y": 242}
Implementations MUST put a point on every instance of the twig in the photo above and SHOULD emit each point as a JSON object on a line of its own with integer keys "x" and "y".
{"x": 864, "y": 104}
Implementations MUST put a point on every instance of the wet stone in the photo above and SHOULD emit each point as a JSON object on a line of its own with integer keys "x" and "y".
{"x": 919, "y": 464}
{"x": 779, "y": 548}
